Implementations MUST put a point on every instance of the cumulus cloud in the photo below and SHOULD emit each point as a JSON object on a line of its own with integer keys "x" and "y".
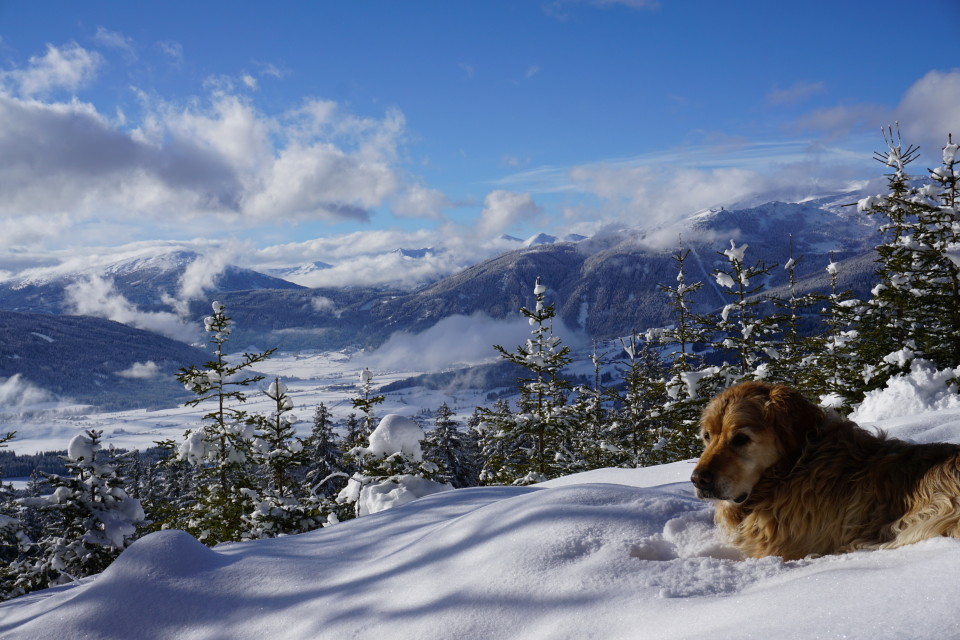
{"x": 503, "y": 209}
{"x": 205, "y": 161}
{"x": 930, "y": 110}
{"x": 141, "y": 371}
{"x": 96, "y": 296}
{"x": 418, "y": 201}
{"x": 68, "y": 67}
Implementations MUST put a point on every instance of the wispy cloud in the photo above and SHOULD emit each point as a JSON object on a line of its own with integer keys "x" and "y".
{"x": 795, "y": 93}
{"x": 68, "y": 67}
{"x": 113, "y": 39}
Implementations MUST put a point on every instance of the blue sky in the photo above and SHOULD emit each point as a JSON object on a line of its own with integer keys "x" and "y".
{"x": 305, "y": 131}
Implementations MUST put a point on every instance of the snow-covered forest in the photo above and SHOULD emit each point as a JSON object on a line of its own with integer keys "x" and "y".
{"x": 507, "y": 505}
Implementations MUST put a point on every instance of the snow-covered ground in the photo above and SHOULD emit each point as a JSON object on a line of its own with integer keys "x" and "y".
{"x": 612, "y": 553}
{"x": 328, "y": 377}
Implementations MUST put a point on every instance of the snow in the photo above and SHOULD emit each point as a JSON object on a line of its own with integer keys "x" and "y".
{"x": 924, "y": 387}
{"x": 735, "y": 253}
{"x": 607, "y": 554}
{"x": 396, "y": 434}
{"x": 80, "y": 446}
{"x": 391, "y": 493}
{"x": 724, "y": 280}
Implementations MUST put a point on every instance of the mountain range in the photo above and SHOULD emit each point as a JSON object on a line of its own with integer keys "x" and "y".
{"x": 603, "y": 286}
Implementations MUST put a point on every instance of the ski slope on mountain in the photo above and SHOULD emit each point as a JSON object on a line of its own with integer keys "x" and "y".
{"x": 612, "y": 553}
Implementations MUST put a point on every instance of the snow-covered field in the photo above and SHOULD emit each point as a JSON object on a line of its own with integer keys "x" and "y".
{"x": 612, "y": 553}
{"x": 328, "y": 377}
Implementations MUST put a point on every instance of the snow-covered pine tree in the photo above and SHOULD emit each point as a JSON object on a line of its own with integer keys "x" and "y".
{"x": 449, "y": 448}
{"x": 789, "y": 358}
{"x": 366, "y": 402}
{"x": 690, "y": 382}
{"x": 324, "y": 456}
{"x": 934, "y": 276}
{"x": 837, "y": 384}
{"x": 541, "y": 429}
{"x": 595, "y": 434}
{"x": 641, "y": 431}
{"x": 169, "y": 492}
{"x": 392, "y": 468}
{"x": 501, "y": 451}
{"x": 91, "y": 519}
{"x": 886, "y": 323}
{"x": 281, "y": 504}
{"x": 14, "y": 541}
{"x": 747, "y": 333}
{"x": 222, "y": 446}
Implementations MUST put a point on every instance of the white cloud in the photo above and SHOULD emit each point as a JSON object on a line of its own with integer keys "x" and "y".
{"x": 453, "y": 340}
{"x": 930, "y": 110}
{"x": 202, "y": 162}
{"x": 141, "y": 371}
{"x": 113, "y": 39}
{"x": 69, "y": 67}
{"x": 418, "y": 201}
{"x": 97, "y": 297}
{"x": 20, "y": 394}
{"x": 171, "y": 49}
{"x": 503, "y": 209}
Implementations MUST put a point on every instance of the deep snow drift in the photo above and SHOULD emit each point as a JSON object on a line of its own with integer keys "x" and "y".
{"x": 611, "y": 553}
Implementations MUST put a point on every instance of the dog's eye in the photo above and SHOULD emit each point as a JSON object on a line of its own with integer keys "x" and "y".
{"x": 740, "y": 440}
{"x": 705, "y": 436}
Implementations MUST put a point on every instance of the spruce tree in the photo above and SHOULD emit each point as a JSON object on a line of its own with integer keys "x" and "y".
{"x": 643, "y": 434}
{"x": 448, "y": 448}
{"x": 222, "y": 446}
{"x": 690, "y": 382}
{"x": 886, "y": 322}
{"x": 90, "y": 518}
{"x": 281, "y": 503}
{"x": 366, "y": 402}
{"x": 537, "y": 442}
{"x": 14, "y": 541}
{"x": 789, "y": 359}
{"x": 743, "y": 330}
{"x": 324, "y": 456}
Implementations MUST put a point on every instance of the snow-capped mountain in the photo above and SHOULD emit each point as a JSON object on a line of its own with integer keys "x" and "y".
{"x": 608, "y": 285}
{"x": 148, "y": 279}
{"x": 605, "y": 286}
{"x": 299, "y": 271}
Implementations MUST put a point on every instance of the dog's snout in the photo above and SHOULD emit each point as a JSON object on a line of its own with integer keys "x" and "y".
{"x": 702, "y": 478}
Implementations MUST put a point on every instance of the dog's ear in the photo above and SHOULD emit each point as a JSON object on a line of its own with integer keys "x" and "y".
{"x": 792, "y": 416}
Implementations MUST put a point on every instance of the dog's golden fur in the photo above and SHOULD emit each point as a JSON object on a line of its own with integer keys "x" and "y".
{"x": 792, "y": 480}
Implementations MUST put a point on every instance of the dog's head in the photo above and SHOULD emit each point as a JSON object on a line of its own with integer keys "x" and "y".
{"x": 747, "y": 430}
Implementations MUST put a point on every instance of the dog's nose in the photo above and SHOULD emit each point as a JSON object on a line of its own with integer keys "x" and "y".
{"x": 702, "y": 479}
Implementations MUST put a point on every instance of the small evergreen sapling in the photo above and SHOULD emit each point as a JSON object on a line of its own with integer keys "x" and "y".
{"x": 281, "y": 504}
{"x": 536, "y": 443}
{"x": 222, "y": 447}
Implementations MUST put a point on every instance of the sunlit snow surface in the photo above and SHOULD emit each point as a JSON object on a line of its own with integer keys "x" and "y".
{"x": 606, "y": 554}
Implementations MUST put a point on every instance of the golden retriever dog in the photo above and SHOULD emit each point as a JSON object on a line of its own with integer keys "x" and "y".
{"x": 792, "y": 480}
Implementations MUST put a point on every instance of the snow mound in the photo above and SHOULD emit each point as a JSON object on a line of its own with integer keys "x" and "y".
{"x": 923, "y": 389}
{"x": 617, "y": 557}
{"x": 396, "y": 434}
{"x": 393, "y": 492}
